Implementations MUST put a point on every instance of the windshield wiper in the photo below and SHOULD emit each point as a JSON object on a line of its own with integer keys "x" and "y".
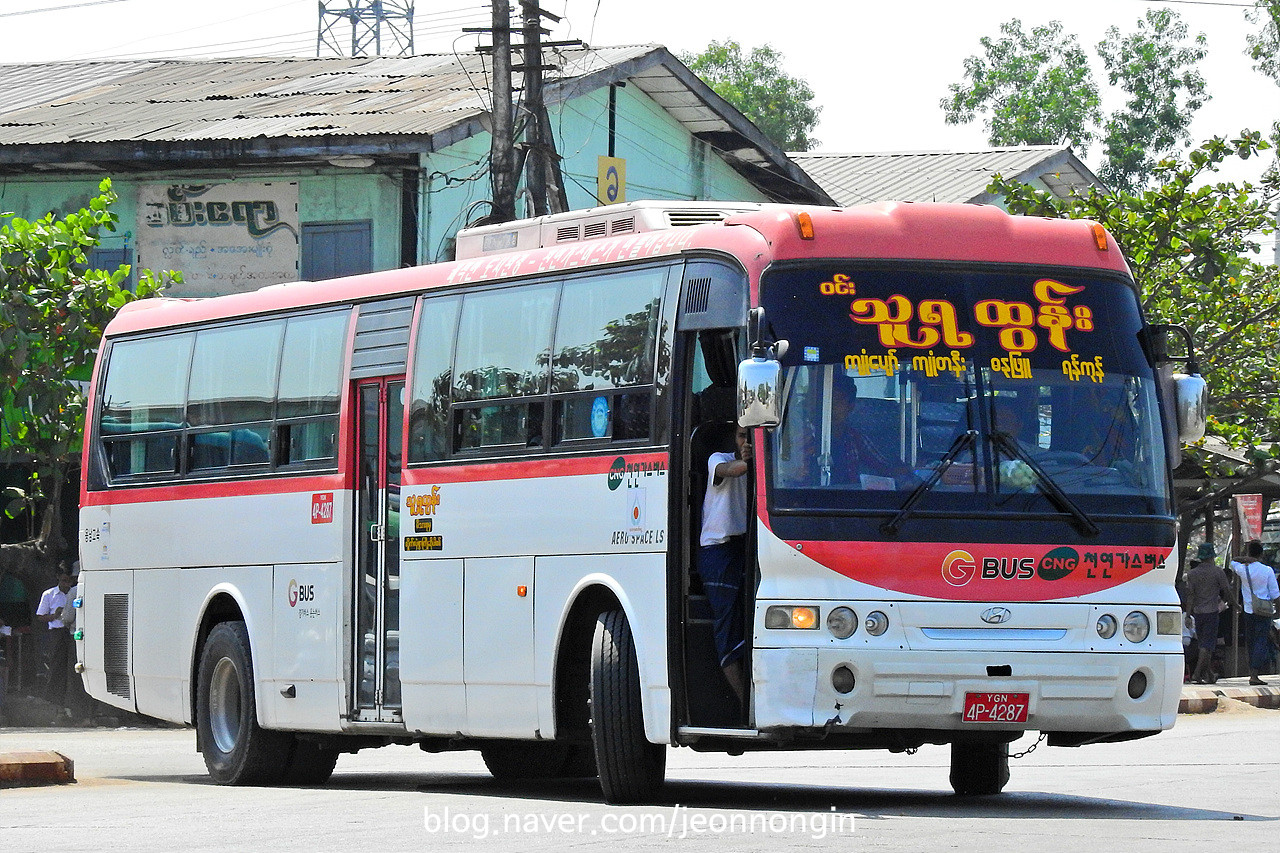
{"x": 1052, "y": 490}
{"x": 964, "y": 440}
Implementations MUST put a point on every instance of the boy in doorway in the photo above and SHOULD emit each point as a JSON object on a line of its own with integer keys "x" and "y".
{"x": 722, "y": 558}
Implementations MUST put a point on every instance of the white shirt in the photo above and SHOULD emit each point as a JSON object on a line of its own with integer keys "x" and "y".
{"x": 51, "y": 601}
{"x": 1260, "y": 578}
{"x": 724, "y": 509}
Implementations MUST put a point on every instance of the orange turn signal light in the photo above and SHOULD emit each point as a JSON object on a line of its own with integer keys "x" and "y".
{"x": 1099, "y": 236}
{"x": 804, "y": 224}
{"x": 522, "y": 590}
{"x": 804, "y": 617}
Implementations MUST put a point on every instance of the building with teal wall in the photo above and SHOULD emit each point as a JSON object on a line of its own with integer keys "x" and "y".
{"x": 245, "y": 172}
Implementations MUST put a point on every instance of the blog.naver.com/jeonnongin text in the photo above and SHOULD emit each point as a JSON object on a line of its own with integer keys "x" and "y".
{"x": 674, "y": 822}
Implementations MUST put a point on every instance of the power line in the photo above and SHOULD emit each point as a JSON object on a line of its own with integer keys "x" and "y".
{"x": 59, "y": 8}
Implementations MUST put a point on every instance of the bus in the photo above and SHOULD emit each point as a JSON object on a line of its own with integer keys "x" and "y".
{"x": 458, "y": 505}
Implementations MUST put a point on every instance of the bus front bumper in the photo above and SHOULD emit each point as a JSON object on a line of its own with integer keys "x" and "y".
{"x": 1067, "y": 692}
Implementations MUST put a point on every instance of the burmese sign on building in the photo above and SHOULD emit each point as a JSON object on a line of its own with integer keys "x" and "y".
{"x": 224, "y": 238}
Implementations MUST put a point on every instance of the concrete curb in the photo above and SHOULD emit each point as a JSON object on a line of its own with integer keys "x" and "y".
{"x": 1203, "y": 698}
{"x": 19, "y": 769}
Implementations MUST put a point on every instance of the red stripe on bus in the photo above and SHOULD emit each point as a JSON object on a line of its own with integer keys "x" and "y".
{"x": 221, "y": 489}
{"x": 532, "y": 469}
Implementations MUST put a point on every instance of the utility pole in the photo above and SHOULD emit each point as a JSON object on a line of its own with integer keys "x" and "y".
{"x": 501, "y": 154}
{"x": 368, "y": 19}
{"x": 542, "y": 164}
{"x": 536, "y": 155}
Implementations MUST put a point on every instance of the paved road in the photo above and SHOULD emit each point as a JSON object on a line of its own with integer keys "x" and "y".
{"x": 1213, "y": 782}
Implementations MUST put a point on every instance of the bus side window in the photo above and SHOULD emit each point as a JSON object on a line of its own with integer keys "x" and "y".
{"x": 142, "y": 403}
{"x": 310, "y": 388}
{"x": 432, "y": 379}
{"x": 502, "y": 360}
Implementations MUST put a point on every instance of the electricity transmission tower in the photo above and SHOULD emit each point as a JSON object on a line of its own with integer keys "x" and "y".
{"x": 378, "y": 28}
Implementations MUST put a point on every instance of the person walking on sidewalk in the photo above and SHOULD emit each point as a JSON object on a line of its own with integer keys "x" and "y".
{"x": 1257, "y": 582}
{"x": 1207, "y": 594}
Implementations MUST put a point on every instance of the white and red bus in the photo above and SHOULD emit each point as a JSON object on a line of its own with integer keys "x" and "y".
{"x": 458, "y": 505}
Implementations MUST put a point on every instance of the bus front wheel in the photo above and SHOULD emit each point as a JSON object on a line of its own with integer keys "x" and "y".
{"x": 979, "y": 768}
{"x": 631, "y": 768}
{"x": 237, "y": 751}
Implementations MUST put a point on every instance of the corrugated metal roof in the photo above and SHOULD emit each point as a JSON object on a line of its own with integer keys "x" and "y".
{"x": 947, "y": 176}
{"x": 171, "y": 100}
{"x": 224, "y": 108}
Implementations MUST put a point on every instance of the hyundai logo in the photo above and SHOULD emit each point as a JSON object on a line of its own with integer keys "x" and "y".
{"x": 996, "y": 615}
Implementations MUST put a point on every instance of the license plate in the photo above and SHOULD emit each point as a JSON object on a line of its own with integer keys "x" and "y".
{"x": 996, "y": 707}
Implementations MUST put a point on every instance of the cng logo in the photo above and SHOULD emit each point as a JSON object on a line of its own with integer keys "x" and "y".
{"x": 1058, "y": 563}
{"x": 617, "y": 472}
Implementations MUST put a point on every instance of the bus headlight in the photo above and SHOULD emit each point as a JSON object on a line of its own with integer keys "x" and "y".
{"x": 1136, "y": 626}
{"x": 877, "y": 623}
{"x": 1107, "y": 626}
{"x": 780, "y": 616}
{"x": 842, "y": 623}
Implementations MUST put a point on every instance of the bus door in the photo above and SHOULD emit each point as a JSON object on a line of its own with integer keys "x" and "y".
{"x": 376, "y": 598}
{"x": 711, "y": 414}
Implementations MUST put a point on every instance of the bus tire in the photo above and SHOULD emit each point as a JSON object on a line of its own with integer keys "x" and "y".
{"x": 513, "y": 761}
{"x": 631, "y": 769}
{"x": 310, "y": 763}
{"x": 979, "y": 768}
{"x": 237, "y": 751}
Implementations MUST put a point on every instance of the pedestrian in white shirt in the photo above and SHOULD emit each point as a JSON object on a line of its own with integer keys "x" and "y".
{"x": 57, "y": 642}
{"x": 1257, "y": 581}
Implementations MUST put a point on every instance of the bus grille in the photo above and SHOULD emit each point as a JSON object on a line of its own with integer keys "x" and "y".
{"x": 115, "y": 643}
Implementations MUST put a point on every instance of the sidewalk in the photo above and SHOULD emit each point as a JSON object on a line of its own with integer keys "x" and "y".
{"x": 1203, "y": 698}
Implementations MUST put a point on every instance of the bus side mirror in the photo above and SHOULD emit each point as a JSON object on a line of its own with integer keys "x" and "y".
{"x": 759, "y": 403}
{"x": 1191, "y": 404}
{"x": 1187, "y": 394}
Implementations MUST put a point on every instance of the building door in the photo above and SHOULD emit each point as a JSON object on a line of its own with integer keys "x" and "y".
{"x": 377, "y": 594}
{"x": 335, "y": 249}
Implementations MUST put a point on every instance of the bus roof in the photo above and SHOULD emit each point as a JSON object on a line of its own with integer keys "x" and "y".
{"x": 756, "y": 234}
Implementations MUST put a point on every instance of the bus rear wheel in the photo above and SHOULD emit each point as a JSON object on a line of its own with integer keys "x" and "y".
{"x": 631, "y": 769}
{"x": 237, "y": 751}
{"x": 979, "y": 768}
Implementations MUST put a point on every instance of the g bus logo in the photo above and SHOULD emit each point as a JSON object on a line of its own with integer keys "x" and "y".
{"x": 300, "y": 592}
{"x": 958, "y": 568}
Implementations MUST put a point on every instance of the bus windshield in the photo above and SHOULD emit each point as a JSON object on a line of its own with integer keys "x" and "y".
{"x": 972, "y": 390}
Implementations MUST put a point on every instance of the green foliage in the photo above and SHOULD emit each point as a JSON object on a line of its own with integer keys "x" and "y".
{"x": 1156, "y": 68}
{"x": 53, "y": 308}
{"x": 777, "y": 103}
{"x": 1264, "y": 44}
{"x": 1191, "y": 243}
{"x": 1036, "y": 89}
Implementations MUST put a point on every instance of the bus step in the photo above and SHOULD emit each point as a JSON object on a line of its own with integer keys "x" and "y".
{"x": 710, "y": 731}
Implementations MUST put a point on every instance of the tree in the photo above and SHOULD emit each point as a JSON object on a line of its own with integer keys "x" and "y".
{"x": 1264, "y": 44}
{"x": 53, "y": 308}
{"x": 1039, "y": 90}
{"x": 1036, "y": 88}
{"x": 777, "y": 103}
{"x": 1156, "y": 68}
{"x": 1191, "y": 244}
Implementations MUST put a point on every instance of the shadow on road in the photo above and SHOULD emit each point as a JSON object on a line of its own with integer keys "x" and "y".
{"x": 867, "y": 804}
